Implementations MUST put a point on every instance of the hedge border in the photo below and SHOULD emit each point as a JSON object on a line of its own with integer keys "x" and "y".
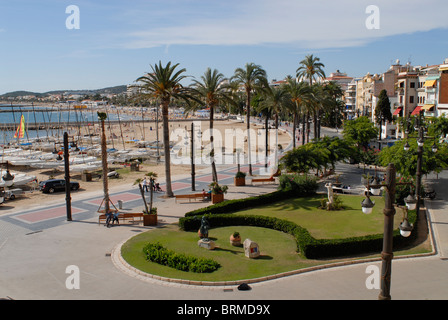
{"x": 307, "y": 245}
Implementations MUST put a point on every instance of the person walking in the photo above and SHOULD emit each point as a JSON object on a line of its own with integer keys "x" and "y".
{"x": 145, "y": 185}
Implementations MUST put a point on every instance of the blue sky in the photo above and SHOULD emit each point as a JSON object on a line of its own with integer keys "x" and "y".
{"x": 118, "y": 40}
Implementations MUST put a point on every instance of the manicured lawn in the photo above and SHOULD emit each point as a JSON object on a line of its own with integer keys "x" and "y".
{"x": 278, "y": 253}
{"x": 278, "y": 249}
{"x": 323, "y": 224}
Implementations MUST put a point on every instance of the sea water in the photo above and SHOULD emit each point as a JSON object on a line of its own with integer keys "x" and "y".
{"x": 39, "y": 114}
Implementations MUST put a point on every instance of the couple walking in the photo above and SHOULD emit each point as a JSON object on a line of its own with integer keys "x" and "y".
{"x": 147, "y": 184}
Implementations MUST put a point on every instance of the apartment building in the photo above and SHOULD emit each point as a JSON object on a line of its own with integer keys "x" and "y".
{"x": 368, "y": 89}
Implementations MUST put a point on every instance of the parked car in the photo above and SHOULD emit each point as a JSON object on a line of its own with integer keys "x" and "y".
{"x": 53, "y": 185}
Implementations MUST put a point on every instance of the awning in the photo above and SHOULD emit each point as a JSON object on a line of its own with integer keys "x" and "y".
{"x": 397, "y": 111}
{"x": 443, "y": 68}
{"x": 427, "y": 107}
{"x": 430, "y": 83}
{"x": 416, "y": 111}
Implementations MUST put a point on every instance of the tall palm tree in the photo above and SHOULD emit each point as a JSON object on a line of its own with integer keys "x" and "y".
{"x": 299, "y": 94}
{"x": 333, "y": 104}
{"x": 310, "y": 68}
{"x": 276, "y": 101}
{"x": 211, "y": 91}
{"x": 164, "y": 84}
{"x": 250, "y": 76}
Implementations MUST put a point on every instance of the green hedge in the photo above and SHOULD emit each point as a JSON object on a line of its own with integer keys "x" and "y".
{"x": 228, "y": 206}
{"x": 155, "y": 252}
{"x": 307, "y": 245}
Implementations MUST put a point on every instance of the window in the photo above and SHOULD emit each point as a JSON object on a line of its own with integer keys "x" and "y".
{"x": 412, "y": 85}
{"x": 411, "y": 99}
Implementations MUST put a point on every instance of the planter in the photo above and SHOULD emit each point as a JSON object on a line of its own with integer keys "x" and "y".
{"x": 217, "y": 197}
{"x": 149, "y": 219}
{"x": 235, "y": 241}
{"x": 239, "y": 181}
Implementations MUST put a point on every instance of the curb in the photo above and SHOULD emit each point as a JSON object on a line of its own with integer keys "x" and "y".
{"x": 123, "y": 266}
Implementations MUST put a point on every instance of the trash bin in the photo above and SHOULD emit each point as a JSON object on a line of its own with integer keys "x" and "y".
{"x": 120, "y": 204}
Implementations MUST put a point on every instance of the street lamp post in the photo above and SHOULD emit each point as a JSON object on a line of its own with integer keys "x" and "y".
{"x": 193, "y": 173}
{"x": 389, "y": 213}
{"x": 419, "y": 172}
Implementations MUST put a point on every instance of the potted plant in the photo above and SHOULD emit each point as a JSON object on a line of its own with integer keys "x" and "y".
{"x": 149, "y": 213}
{"x": 217, "y": 192}
{"x": 240, "y": 179}
{"x": 235, "y": 239}
{"x": 150, "y": 219}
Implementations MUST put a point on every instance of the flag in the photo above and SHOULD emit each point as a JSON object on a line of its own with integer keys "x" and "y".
{"x": 21, "y": 128}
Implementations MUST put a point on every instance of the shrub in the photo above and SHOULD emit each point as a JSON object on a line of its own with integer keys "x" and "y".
{"x": 301, "y": 184}
{"x": 240, "y": 174}
{"x": 155, "y": 252}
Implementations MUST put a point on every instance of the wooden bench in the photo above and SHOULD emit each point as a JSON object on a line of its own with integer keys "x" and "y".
{"x": 271, "y": 179}
{"x": 123, "y": 217}
{"x": 192, "y": 196}
{"x": 340, "y": 190}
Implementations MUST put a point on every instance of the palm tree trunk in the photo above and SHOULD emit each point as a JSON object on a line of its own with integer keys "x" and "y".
{"x": 212, "y": 151}
{"x": 248, "y": 131}
{"x": 104, "y": 165}
{"x": 166, "y": 148}
{"x": 266, "y": 125}
{"x": 294, "y": 130}
{"x": 303, "y": 128}
{"x": 308, "y": 127}
{"x": 318, "y": 124}
{"x": 276, "y": 142}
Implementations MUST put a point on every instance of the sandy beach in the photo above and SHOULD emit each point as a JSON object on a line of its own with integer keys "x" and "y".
{"x": 119, "y": 137}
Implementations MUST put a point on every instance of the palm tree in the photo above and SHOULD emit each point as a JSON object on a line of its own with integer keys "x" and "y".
{"x": 332, "y": 103}
{"x": 164, "y": 84}
{"x": 250, "y": 77}
{"x": 310, "y": 68}
{"x": 299, "y": 94}
{"x": 257, "y": 105}
{"x": 212, "y": 90}
{"x": 276, "y": 102}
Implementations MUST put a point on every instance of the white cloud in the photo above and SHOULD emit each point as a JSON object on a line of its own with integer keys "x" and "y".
{"x": 318, "y": 24}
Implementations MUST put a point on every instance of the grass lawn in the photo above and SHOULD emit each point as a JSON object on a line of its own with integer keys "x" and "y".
{"x": 278, "y": 249}
{"x": 278, "y": 253}
{"x": 323, "y": 224}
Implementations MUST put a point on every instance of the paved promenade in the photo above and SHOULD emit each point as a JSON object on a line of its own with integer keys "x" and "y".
{"x": 38, "y": 245}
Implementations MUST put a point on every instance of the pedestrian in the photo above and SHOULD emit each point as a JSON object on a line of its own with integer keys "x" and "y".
{"x": 145, "y": 185}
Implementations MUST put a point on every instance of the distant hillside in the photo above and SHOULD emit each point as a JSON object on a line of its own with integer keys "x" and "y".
{"x": 110, "y": 90}
{"x": 15, "y": 94}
